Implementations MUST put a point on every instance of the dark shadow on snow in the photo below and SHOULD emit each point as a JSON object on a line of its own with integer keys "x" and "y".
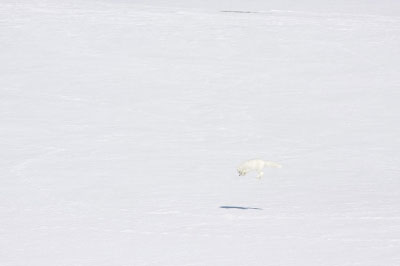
{"x": 240, "y": 208}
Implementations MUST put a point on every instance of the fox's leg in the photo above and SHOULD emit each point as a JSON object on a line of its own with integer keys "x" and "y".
{"x": 260, "y": 174}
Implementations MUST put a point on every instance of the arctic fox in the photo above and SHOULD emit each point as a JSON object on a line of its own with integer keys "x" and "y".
{"x": 256, "y": 165}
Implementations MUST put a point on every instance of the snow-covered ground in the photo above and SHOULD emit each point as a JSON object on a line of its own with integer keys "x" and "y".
{"x": 122, "y": 124}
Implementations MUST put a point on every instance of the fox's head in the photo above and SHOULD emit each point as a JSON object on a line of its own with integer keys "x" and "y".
{"x": 241, "y": 172}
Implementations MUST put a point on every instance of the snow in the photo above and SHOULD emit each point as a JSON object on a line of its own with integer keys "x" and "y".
{"x": 122, "y": 124}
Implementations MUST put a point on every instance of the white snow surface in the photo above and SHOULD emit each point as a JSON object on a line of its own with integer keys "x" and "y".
{"x": 122, "y": 124}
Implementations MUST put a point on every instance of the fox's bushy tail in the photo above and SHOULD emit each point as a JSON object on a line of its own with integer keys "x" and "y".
{"x": 272, "y": 164}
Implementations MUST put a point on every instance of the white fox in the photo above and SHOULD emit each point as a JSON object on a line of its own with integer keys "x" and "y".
{"x": 256, "y": 165}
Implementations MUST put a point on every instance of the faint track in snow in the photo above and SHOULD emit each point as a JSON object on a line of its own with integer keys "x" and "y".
{"x": 19, "y": 168}
{"x": 240, "y": 12}
{"x": 240, "y": 208}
